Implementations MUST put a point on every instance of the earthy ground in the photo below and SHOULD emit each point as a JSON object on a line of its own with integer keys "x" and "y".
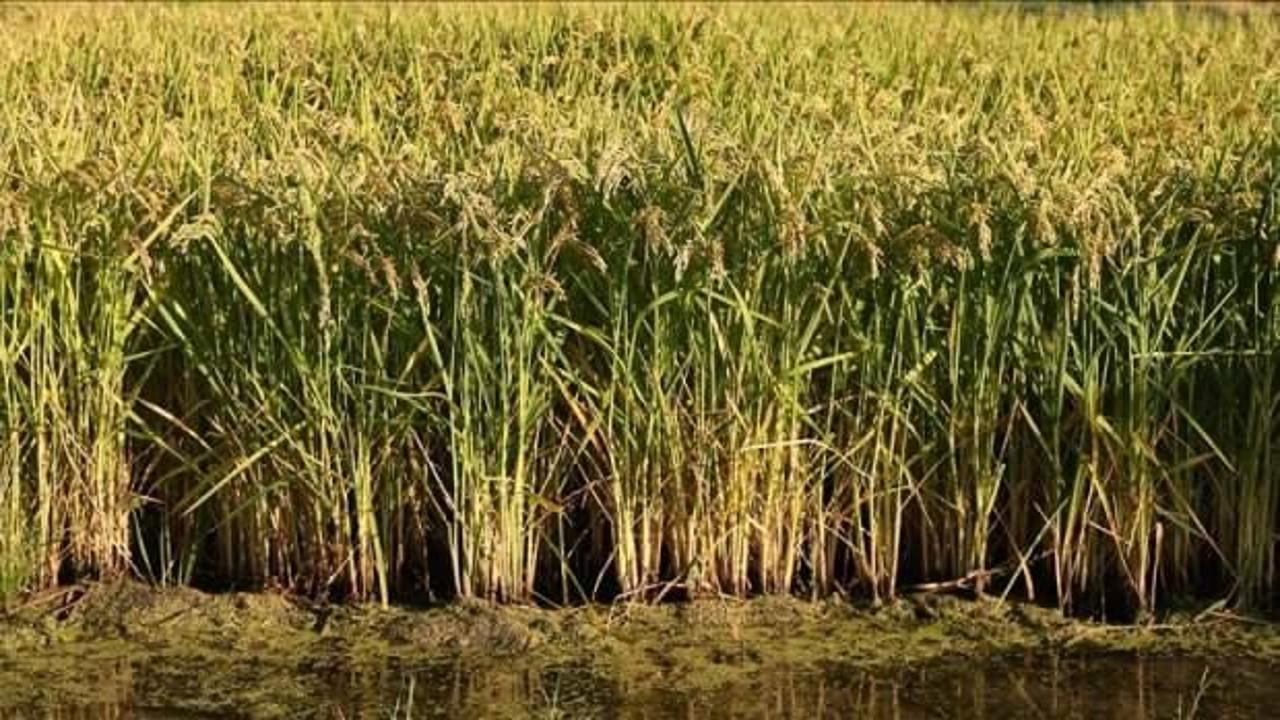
{"x": 261, "y": 654}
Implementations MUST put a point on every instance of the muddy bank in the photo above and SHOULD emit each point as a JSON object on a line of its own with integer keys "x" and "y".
{"x": 266, "y": 655}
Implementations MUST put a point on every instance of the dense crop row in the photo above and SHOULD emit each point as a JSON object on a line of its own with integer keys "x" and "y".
{"x": 589, "y": 303}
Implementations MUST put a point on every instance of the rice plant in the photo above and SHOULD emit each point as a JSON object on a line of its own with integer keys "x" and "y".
{"x": 556, "y": 304}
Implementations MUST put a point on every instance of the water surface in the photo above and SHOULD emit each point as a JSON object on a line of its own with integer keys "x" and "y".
{"x": 1028, "y": 686}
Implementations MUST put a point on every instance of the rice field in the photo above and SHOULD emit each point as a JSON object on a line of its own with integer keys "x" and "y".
{"x": 561, "y": 304}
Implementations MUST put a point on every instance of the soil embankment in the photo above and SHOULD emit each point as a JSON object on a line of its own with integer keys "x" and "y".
{"x": 267, "y": 654}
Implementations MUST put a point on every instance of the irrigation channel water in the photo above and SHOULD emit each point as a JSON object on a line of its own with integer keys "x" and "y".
{"x": 1028, "y": 686}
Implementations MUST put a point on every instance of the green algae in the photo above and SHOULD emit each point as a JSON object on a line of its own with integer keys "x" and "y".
{"x": 265, "y": 655}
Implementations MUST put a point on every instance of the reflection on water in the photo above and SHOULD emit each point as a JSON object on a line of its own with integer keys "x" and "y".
{"x": 1027, "y": 687}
